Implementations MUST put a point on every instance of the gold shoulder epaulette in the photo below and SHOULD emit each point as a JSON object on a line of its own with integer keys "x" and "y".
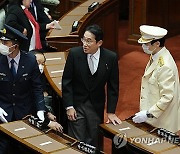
{"x": 161, "y": 61}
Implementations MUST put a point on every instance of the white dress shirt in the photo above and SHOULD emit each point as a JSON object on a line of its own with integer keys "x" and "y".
{"x": 33, "y": 39}
{"x": 16, "y": 61}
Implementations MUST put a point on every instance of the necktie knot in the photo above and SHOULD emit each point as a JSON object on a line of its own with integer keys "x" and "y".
{"x": 12, "y": 61}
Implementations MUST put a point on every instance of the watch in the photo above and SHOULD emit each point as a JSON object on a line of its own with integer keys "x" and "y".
{"x": 149, "y": 115}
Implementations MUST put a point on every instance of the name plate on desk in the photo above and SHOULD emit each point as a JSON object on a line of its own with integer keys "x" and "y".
{"x": 19, "y": 129}
{"x": 127, "y": 129}
{"x": 45, "y": 143}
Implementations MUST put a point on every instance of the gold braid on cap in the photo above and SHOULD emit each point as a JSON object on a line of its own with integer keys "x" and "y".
{"x": 143, "y": 39}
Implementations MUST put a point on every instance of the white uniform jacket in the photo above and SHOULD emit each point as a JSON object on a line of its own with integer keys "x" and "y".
{"x": 160, "y": 91}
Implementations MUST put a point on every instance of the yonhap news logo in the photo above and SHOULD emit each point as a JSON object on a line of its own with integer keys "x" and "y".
{"x": 120, "y": 140}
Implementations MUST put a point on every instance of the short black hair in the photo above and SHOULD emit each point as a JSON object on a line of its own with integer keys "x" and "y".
{"x": 97, "y": 31}
{"x": 161, "y": 40}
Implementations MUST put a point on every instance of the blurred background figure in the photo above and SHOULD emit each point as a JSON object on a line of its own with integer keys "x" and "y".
{"x": 35, "y": 26}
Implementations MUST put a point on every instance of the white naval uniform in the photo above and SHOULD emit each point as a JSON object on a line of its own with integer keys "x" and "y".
{"x": 160, "y": 91}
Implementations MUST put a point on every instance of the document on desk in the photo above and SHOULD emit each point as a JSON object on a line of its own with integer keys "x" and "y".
{"x": 45, "y": 143}
{"x": 127, "y": 128}
{"x": 56, "y": 25}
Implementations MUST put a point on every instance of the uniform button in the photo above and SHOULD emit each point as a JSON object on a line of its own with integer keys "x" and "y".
{"x": 142, "y": 87}
{"x": 14, "y": 94}
{"x": 14, "y": 85}
{"x": 14, "y": 104}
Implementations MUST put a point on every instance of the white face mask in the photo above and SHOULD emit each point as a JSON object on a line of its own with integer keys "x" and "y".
{"x": 41, "y": 68}
{"x": 146, "y": 49}
{"x": 4, "y": 50}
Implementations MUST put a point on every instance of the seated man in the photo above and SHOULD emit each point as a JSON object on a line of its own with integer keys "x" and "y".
{"x": 50, "y": 119}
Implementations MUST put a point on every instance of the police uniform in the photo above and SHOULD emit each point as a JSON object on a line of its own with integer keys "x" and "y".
{"x": 19, "y": 95}
{"x": 160, "y": 84}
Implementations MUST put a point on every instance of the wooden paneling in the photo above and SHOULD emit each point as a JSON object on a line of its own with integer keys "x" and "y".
{"x": 163, "y": 13}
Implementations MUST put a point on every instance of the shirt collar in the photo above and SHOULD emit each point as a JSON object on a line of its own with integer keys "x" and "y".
{"x": 23, "y": 7}
{"x": 16, "y": 59}
{"x": 96, "y": 55}
{"x": 156, "y": 56}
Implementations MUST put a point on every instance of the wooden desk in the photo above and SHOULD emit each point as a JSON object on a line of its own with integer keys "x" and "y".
{"x": 37, "y": 140}
{"x": 54, "y": 67}
{"x": 104, "y": 15}
{"x": 138, "y": 137}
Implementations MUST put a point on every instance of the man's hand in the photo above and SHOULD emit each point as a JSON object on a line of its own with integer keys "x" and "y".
{"x": 40, "y": 115}
{"x": 71, "y": 114}
{"x": 2, "y": 114}
{"x": 51, "y": 116}
{"x": 140, "y": 117}
{"x": 25, "y": 32}
{"x": 50, "y": 25}
{"x": 113, "y": 119}
{"x": 55, "y": 126}
{"x": 178, "y": 133}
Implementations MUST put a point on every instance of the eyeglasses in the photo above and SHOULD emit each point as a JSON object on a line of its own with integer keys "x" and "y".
{"x": 87, "y": 41}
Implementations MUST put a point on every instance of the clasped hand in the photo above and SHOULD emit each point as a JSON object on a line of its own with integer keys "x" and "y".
{"x": 140, "y": 117}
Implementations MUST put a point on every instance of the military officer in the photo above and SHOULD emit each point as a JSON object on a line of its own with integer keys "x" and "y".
{"x": 159, "y": 98}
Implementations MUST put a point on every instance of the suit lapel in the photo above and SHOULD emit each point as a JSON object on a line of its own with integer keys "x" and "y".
{"x": 5, "y": 67}
{"x": 101, "y": 68}
{"x": 150, "y": 68}
{"x": 84, "y": 67}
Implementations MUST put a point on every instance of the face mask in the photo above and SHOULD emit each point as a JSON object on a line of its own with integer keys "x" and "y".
{"x": 4, "y": 50}
{"x": 41, "y": 68}
{"x": 146, "y": 49}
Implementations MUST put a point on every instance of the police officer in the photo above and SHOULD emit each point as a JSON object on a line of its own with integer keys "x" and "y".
{"x": 21, "y": 89}
{"x": 159, "y": 98}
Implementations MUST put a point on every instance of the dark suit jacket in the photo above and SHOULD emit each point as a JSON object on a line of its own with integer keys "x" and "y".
{"x": 75, "y": 89}
{"x": 21, "y": 95}
{"x": 42, "y": 18}
{"x": 17, "y": 19}
{"x": 41, "y": 15}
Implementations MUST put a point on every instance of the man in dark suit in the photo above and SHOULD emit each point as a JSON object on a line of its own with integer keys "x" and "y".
{"x": 87, "y": 71}
{"x": 17, "y": 18}
{"x": 21, "y": 89}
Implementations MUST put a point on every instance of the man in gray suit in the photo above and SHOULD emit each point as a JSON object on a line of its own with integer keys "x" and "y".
{"x": 87, "y": 71}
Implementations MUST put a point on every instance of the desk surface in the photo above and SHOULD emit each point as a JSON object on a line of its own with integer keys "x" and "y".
{"x": 38, "y": 140}
{"x": 73, "y": 15}
{"x": 140, "y": 137}
{"x": 54, "y": 67}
